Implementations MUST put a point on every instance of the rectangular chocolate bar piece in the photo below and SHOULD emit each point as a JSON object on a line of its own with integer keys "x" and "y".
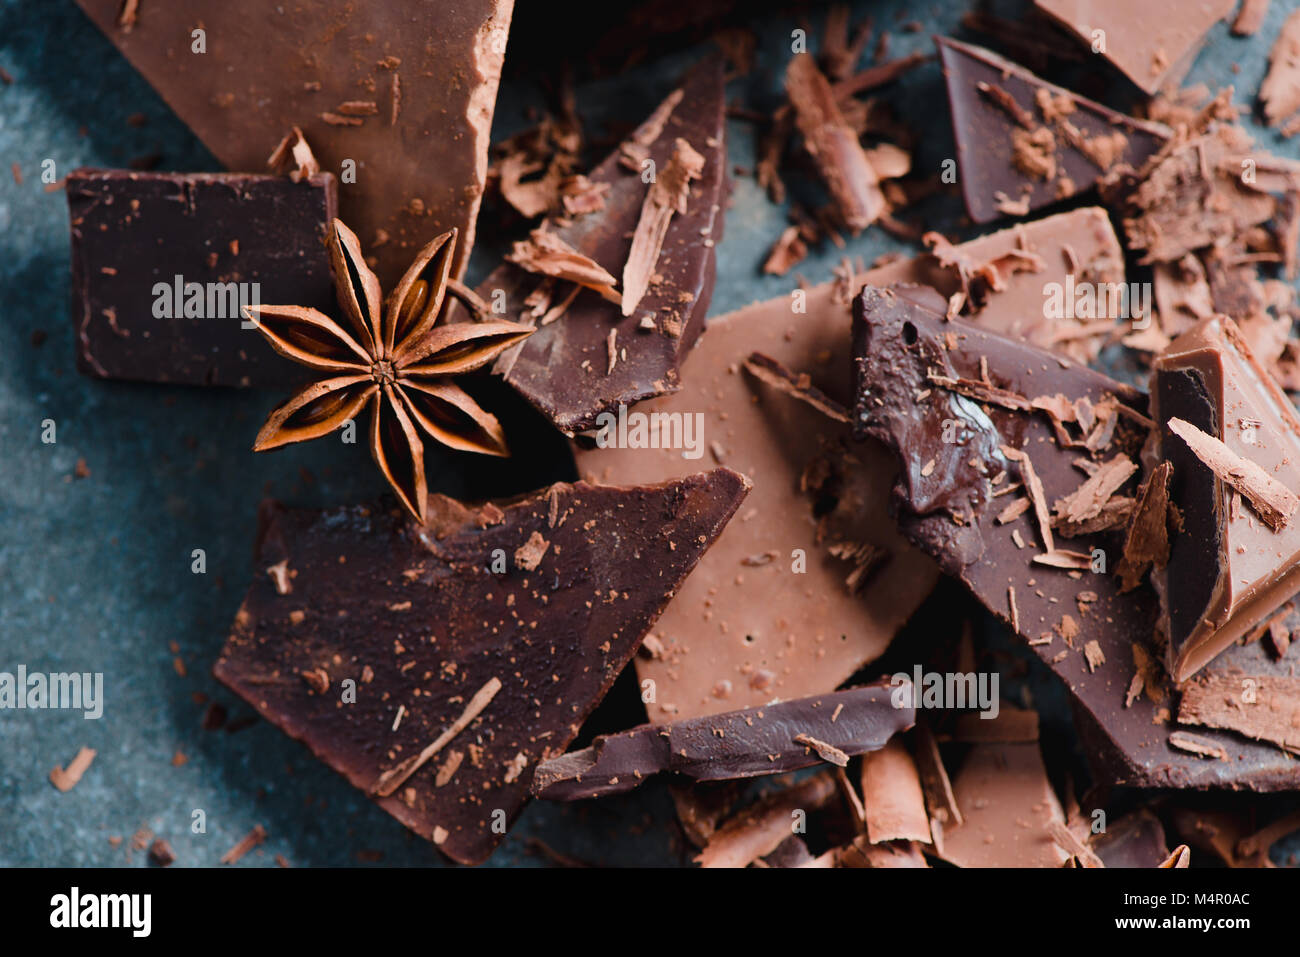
{"x": 163, "y": 262}
{"x": 398, "y": 95}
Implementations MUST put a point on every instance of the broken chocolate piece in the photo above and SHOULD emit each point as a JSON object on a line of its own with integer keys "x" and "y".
{"x": 770, "y": 739}
{"x": 1054, "y": 307}
{"x": 416, "y": 139}
{"x": 1008, "y": 809}
{"x": 1229, "y": 567}
{"x": 949, "y": 509}
{"x": 770, "y": 613}
{"x": 592, "y": 359}
{"x": 1135, "y": 840}
{"x": 1152, "y": 43}
{"x": 1030, "y": 141}
{"x": 163, "y": 262}
{"x": 551, "y": 640}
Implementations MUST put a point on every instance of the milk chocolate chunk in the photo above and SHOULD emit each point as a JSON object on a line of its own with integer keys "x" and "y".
{"x": 1152, "y": 43}
{"x": 770, "y": 739}
{"x": 915, "y": 371}
{"x": 162, "y": 263}
{"x": 588, "y": 357}
{"x": 437, "y": 684}
{"x": 1034, "y": 281}
{"x": 1008, "y": 810}
{"x": 812, "y": 580}
{"x": 1233, "y": 439}
{"x": 1024, "y": 143}
{"x": 406, "y": 93}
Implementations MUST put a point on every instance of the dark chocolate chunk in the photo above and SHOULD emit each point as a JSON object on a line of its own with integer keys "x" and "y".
{"x": 435, "y": 666}
{"x": 590, "y": 358}
{"x": 1135, "y": 840}
{"x": 162, "y": 263}
{"x": 770, "y": 739}
{"x": 961, "y": 454}
{"x": 1024, "y": 143}
{"x": 399, "y": 96}
{"x": 1222, "y": 414}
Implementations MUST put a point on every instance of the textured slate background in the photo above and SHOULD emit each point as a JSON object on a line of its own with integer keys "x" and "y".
{"x": 95, "y": 572}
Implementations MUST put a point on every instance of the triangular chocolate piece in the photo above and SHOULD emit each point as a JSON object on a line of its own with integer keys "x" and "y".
{"x": 405, "y": 92}
{"x": 1228, "y": 569}
{"x": 1153, "y": 43}
{"x": 587, "y": 357}
{"x": 813, "y": 580}
{"x": 435, "y": 666}
{"x": 1024, "y": 143}
{"x": 988, "y": 432}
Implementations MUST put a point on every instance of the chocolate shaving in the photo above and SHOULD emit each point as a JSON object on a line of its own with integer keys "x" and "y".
{"x": 982, "y": 392}
{"x": 1280, "y": 91}
{"x": 1180, "y": 856}
{"x": 827, "y": 752}
{"x": 669, "y": 193}
{"x": 833, "y": 144}
{"x": 786, "y": 253}
{"x": 1007, "y": 103}
{"x": 293, "y": 158}
{"x": 760, "y": 829}
{"x": 1146, "y": 540}
{"x": 1034, "y": 486}
{"x": 1088, "y": 499}
{"x": 798, "y": 386}
{"x": 1067, "y": 841}
{"x": 393, "y": 778}
{"x": 1195, "y": 744}
{"x": 65, "y": 779}
{"x": 892, "y": 796}
{"x": 934, "y": 778}
{"x": 1261, "y": 707}
{"x": 249, "y": 841}
{"x": 1272, "y": 501}
{"x": 548, "y": 255}
{"x": 1250, "y": 17}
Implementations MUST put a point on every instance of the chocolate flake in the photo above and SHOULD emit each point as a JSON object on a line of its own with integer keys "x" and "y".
{"x": 390, "y": 780}
{"x": 833, "y": 144}
{"x": 1146, "y": 539}
{"x": 1262, "y": 707}
{"x": 669, "y": 193}
{"x": 1272, "y": 501}
{"x": 65, "y": 779}
{"x": 252, "y": 839}
{"x": 1198, "y": 745}
{"x": 892, "y": 796}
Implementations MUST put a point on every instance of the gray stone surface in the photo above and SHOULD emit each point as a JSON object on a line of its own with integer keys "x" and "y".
{"x": 95, "y": 572}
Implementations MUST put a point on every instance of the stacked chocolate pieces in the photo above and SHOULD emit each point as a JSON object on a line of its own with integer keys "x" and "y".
{"x": 1020, "y": 476}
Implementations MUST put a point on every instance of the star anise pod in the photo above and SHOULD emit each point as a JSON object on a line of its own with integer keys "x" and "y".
{"x": 399, "y": 361}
